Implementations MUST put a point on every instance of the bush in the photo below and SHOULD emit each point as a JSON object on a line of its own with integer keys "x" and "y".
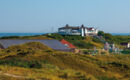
{"x": 96, "y": 40}
{"x": 120, "y": 65}
{"x": 21, "y": 63}
{"x": 101, "y": 33}
{"x": 126, "y": 52}
{"x": 55, "y": 36}
{"x": 66, "y": 37}
{"x": 87, "y": 51}
{"x": 74, "y": 38}
{"x": 10, "y": 37}
{"x": 83, "y": 44}
{"x": 106, "y": 78}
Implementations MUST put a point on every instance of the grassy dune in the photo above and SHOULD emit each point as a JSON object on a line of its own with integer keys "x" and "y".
{"x": 35, "y": 61}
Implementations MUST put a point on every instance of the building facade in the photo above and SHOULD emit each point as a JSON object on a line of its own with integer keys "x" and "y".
{"x": 82, "y": 30}
{"x": 126, "y": 44}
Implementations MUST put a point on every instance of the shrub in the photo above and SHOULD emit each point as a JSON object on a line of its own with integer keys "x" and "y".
{"x": 82, "y": 44}
{"x": 101, "y": 33}
{"x": 21, "y": 63}
{"x": 96, "y": 40}
{"x": 55, "y": 36}
{"x": 106, "y": 78}
{"x": 10, "y": 37}
{"x": 125, "y": 51}
{"x": 88, "y": 51}
{"x": 120, "y": 65}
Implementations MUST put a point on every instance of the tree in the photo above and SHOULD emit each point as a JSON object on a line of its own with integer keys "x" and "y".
{"x": 101, "y": 33}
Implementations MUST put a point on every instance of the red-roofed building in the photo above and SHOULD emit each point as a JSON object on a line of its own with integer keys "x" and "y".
{"x": 68, "y": 44}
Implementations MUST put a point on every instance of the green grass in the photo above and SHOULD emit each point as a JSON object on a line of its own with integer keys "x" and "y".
{"x": 35, "y": 61}
{"x": 126, "y": 51}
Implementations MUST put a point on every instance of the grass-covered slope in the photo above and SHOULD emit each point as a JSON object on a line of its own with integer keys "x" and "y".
{"x": 88, "y": 42}
{"x": 26, "y": 37}
{"x": 35, "y": 61}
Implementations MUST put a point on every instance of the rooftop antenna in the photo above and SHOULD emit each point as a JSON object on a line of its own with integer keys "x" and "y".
{"x": 67, "y": 25}
{"x": 82, "y": 25}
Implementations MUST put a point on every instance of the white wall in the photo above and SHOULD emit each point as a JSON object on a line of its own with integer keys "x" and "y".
{"x": 128, "y": 45}
{"x": 82, "y": 31}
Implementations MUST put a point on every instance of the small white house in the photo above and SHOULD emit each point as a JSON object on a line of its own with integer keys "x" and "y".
{"x": 83, "y": 31}
{"x": 126, "y": 45}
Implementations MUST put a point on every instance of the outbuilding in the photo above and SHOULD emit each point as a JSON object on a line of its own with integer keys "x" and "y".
{"x": 52, "y": 43}
{"x": 70, "y": 46}
{"x": 125, "y": 44}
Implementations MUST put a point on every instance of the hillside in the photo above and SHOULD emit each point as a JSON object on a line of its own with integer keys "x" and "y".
{"x": 88, "y": 42}
{"x": 35, "y": 61}
{"x": 78, "y": 41}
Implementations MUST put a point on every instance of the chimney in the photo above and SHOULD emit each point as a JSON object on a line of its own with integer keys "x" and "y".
{"x": 67, "y": 25}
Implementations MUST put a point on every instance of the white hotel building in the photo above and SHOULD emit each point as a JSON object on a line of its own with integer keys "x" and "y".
{"x": 83, "y": 31}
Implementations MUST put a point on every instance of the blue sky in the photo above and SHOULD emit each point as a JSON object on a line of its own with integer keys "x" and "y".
{"x": 46, "y": 15}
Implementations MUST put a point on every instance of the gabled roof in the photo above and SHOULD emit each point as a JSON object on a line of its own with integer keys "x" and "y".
{"x": 77, "y": 27}
{"x": 1, "y": 47}
{"x": 68, "y": 44}
{"x": 91, "y": 28}
{"x": 69, "y": 27}
{"x": 124, "y": 43}
{"x": 54, "y": 44}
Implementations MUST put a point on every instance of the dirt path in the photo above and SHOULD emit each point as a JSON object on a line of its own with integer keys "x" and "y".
{"x": 11, "y": 75}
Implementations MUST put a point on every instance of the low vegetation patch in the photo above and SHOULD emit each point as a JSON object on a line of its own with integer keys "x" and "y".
{"x": 35, "y": 61}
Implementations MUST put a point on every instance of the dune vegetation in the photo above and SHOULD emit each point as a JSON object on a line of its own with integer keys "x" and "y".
{"x": 35, "y": 61}
{"x": 88, "y": 42}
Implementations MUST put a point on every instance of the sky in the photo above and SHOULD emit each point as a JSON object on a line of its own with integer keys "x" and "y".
{"x": 41, "y": 16}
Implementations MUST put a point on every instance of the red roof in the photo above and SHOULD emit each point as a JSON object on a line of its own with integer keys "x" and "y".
{"x": 68, "y": 44}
